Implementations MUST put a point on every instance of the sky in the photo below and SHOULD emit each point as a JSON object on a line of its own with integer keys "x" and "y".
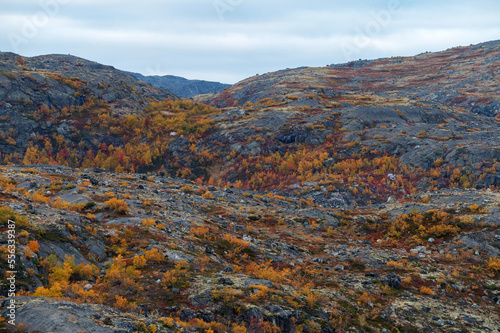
{"x": 230, "y": 40}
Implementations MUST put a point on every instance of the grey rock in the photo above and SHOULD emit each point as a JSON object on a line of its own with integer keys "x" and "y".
{"x": 49, "y": 315}
{"x": 61, "y": 251}
{"x": 226, "y": 281}
{"x": 393, "y": 280}
{"x": 249, "y": 282}
{"x": 177, "y": 256}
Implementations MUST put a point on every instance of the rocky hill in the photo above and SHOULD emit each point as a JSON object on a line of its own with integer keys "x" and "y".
{"x": 53, "y": 94}
{"x": 181, "y": 86}
{"x": 59, "y": 81}
{"x": 466, "y": 77}
{"x": 357, "y": 197}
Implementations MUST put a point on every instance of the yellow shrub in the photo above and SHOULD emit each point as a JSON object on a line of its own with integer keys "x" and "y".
{"x": 139, "y": 261}
{"x": 154, "y": 255}
{"x": 117, "y": 205}
{"x": 493, "y": 264}
{"x": 227, "y": 295}
{"x": 187, "y": 189}
{"x": 407, "y": 281}
{"x": 396, "y": 265}
{"x": 426, "y": 291}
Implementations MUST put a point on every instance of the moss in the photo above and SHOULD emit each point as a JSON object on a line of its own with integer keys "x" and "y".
{"x": 52, "y": 235}
{"x": 89, "y": 205}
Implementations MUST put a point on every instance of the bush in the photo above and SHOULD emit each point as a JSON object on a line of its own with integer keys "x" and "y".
{"x": 6, "y": 214}
{"x": 493, "y": 264}
{"x": 426, "y": 291}
{"x": 34, "y": 246}
{"x": 119, "y": 206}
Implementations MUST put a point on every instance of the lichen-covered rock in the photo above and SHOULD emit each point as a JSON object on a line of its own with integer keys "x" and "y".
{"x": 393, "y": 280}
{"x": 49, "y": 315}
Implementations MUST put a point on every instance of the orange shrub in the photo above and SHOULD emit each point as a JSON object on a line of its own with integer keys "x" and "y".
{"x": 147, "y": 223}
{"x": 40, "y": 198}
{"x": 235, "y": 242}
{"x": 200, "y": 232}
{"x": 207, "y": 195}
{"x": 396, "y": 265}
{"x": 474, "y": 207}
{"x": 121, "y": 303}
{"x": 365, "y": 298}
{"x": 34, "y": 246}
{"x": 261, "y": 293}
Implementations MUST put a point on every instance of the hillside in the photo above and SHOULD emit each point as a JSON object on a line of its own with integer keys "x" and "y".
{"x": 180, "y": 256}
{"x": 464, "y": 77}
{"x": 361, "y": 197}
{"x": 60, "y": 81}
{"x": 182, "y": 87}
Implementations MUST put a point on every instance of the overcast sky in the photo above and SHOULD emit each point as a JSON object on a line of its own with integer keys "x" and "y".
{"x": 229, "y": 40}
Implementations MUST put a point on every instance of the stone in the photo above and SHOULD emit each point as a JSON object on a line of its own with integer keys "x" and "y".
{"x": 41, "y": 314}
{"x": 393, "y": 280}
{"x": 226, "y": 281}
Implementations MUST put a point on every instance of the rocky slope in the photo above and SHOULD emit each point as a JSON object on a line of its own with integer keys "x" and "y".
{"x": 43, "y": 96}
{"x": 181, "y": 86}
{"x": 59, "y": 81}
{"x": 464, "y": 77}
{"x": 315, "y": 199}
{"x": 184, "y": 257}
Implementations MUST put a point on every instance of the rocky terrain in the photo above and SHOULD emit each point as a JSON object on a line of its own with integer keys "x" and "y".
{"x": 466, "y": 77}
{"x": 180, "y": 256}
{"x": 60, "y": 81}
{"x": 360, "y": 197}
{"x": 182, "y": 87}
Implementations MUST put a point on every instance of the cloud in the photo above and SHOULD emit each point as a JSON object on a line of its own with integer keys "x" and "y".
{"x": 229, "y": 40}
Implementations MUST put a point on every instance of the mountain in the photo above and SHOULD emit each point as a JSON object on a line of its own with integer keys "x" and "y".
{"x": 63, "y": 80}
{"x": 181, "y": 86}
{"x": 355, "y": 197}
{"x": 466, "y": 77}
{"x": 45, "y": 96}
